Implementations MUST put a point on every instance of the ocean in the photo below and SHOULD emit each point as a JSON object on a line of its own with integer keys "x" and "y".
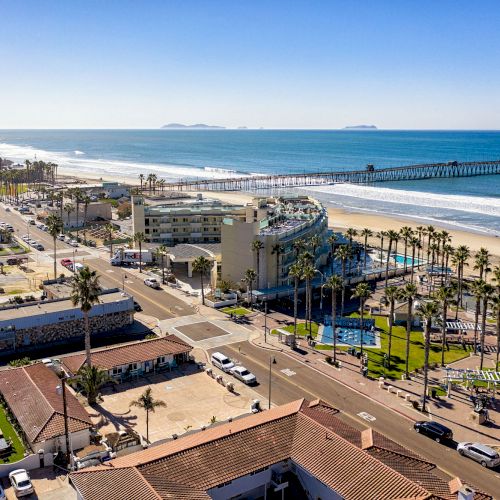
{"x": 465, "y": 203}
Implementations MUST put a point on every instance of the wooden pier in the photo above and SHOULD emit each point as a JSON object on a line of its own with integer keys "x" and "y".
{"x": 367, "y": 176}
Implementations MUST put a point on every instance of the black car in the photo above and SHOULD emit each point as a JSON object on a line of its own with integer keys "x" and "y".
{"x": 137, "y": 306}
{"x": 438, "y": 432}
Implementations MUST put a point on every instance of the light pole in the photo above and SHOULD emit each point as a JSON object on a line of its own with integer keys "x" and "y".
{"x": 62, "y": 387}
{"x": 265, "y": 322}
{"x": 269, "y": 395}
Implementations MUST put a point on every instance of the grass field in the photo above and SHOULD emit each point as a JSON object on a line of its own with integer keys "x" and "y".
{"x": 301, "y": 330}
{"x": 9, "y": 432}
{"x": 238, "y": 311}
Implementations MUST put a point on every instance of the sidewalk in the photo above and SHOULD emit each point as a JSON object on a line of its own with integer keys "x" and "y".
{"x": 453, "y": 412}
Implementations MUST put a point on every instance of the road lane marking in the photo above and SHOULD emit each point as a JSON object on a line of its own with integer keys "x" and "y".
{"x": 366, "y": 416}
{"x": 288, "y": 372}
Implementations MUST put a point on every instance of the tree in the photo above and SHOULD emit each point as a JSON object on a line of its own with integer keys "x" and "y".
{"x": 430, "y": 232}
{"x": 406, "y": 233}
{"x": 85, "y": 293}
{"x": 495, "y": 301}
{"x": 124, "y": 210}
{"x": 350, "y": 234}
{"x": 91, "y": 379}
{"x": 109, "y": 228}
{"x": 414, "y": 243}
{"x": 298, "y": 245}
{"x": 392, "y": 236}
{"x": 381, "y": 235}
{"x": 308, "y": 272}
{"x": 427, "y": 312}
{"x": 141, "y": 178}
{"x": 487, "y": 293}
{"x": 315, "y": 243}
{"x": 278, "y": 250}
{"x": 342, "y": 253}
{"x": 365, "y": 233}
{"x": 459, "y": 260}
{"x": 147, "y": 402}
{"x": 86, "y": 203}
{"x": 162, "y": 250}
{"x": 54, "y": 228}
{"x": 444, "y": 295}
{"x": 409, "y": 293}
{"x": 202, "y": 265}
{"x": 363, "y": 293}
{"x": 334, "y": 283}
{"x": 257, "y": 246}
{"x": 295, "y": 272}
{"x": 392, "y": 293}
{"x": 332, "y": 239}
{"x": 481, "y": 262}
{"x": 476, "y": 288}
{"x": 250, "y": 277}
{"x": 69, "y": 209}
{"x": 139, "y": 238}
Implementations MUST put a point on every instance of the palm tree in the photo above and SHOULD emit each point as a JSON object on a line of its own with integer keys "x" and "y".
{"x": 257, "y": 246}
{"x": 429, "y": 231}
{"x": 278, "y": 250}
{"x": 91, "y": 379}
{"x": 365, "y": 233}
{"x": 362, "y": 292}
{"x": 444, "y": 295}
{"x": 295, "y": 272}
{"x": 202, "y": 265}
{"x": 406, "y": 233}
{"x": 350, "y": 234}
{"x": 54, "y": 228}
{"x": 85, "y": 293}
{"x": 495, "y": 301}
{"x": 162, "y": 250}
{"x": 476, "y": 288}
{"x": 381, "y": 235}
{"x": 334, "y": 283}
{"x": 141, "y": 178}
{"x": 481, "y": 262}
{"x": 109, "y": 228}
{"x": 147, "y": 402}
{"x": 409, "y": 293}
{"x": 78, "y": 196}
{"x": 342, "y": 253}
{"x": 69, "y": 209}
{"x": 139, "y": 238}
{"x": 298, "y": 245}
{"x": 487, "y": 293}
{"x": 250, "y": 277}
{"x": 420, "y": 233}
{"x": 459, "y": 260}
{"x": 392, "y": 293}
{"x": 414, "y": 243}
{"x": 86, "y": 202}
{"x": 392, "y": 236}
{"x": 308, "y": 272}
{"x": 315, "y": 243}
{"x": 332, "y": 239}
{"x": 427, "y": 312}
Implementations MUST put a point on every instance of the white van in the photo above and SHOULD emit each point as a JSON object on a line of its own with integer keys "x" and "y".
{"x": 221, "y": 361}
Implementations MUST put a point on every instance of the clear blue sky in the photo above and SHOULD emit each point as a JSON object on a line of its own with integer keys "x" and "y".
{"x": 276, "y": 64}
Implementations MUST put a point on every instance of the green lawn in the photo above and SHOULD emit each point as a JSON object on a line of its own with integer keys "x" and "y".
{"x": 9, "y": 432}
{"x": 301, "y": 330}
{"x": 238, "y": 311}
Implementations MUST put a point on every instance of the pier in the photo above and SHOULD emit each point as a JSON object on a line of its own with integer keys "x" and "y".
{"x": 367, "y": 176}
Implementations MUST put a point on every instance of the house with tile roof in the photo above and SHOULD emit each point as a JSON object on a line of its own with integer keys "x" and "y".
{"x": 123, "y": 362}
{"x": 298, "y": 450}
{"x": 34, "y": 397}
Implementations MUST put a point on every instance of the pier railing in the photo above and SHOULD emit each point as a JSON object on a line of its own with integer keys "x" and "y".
{"x": 367, "y": 176}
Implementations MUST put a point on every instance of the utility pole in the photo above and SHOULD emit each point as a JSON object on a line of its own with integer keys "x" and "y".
{"x": 269, "y": 395}
{"x": 65, "y": 413}
{"x": 265, "y": 322}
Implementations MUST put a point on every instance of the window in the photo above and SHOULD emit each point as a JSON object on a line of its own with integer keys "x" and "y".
{"x": 132, "y": 366}
{"x": 117, "y": 370}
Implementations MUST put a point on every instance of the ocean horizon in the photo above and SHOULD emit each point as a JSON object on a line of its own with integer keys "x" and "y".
{"x": 471, "y": 204}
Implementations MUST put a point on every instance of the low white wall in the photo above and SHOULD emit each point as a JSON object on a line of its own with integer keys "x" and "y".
{"x": 221, "y": 303}
{"x": 29, "y": 463}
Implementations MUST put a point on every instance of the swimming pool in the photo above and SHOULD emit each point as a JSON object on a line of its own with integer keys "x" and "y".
{"x": 400, "y": 259}
{"x": 349, "y": 337}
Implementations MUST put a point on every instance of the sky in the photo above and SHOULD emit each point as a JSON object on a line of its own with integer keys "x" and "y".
{"x": 398, "y": 64}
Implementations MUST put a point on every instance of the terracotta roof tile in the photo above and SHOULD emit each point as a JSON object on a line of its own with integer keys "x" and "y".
{"x": 30, "y": 392}
{"x": 136, "y": 352}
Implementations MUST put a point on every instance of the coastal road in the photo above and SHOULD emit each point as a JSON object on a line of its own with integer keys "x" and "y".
{"x": 292, "y": 380}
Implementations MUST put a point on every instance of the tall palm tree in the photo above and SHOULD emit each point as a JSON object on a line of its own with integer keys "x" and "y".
{"x": 381, "y": 235}
{"x": 109, "y": 228}
{"x": 54, "y": 228}
{"x": 429, "y": 231}
{"x": 444, "y": 295}
{"x": 365, "y": 233}
{"x": 409, "y": 293}
{"x": 350, "y": 234}
{"x": 148, "y": 403}
{"x": 363, "y": 293}
{"x": 162, "y": 250}
{"x": 420, "y": 233}
{"x": 91, "y": 379}
{"x": 392, "y": 293}
{"x": 406, "y": 233}
{"x": 78, "y": 196}
{"x": 141, "y": 178}
{"x": 250, "y": 277}
{"x": 487, "y": 294}
{"x": 391, "y": 236}
{"x": 342, "y": 254}
{"x": 495, "y": 302}
{"x": 85, "y": 293}
{"x": 139, "y": 238}
{"x": 315, "y": 243}
{"x": 257, "y": 246}
{"x": 278, "y": 250}
{"x": 427, "y": 311}
{"x": 414, "y": 243}
{"x": 308, "y": 272}
{"x": 448, "y": 252}
{"x": 202, "y": 265}
{"x": 298, "y": 246}
{"x": 481, "y": 262}
{"x": 460, "y": 259}
{"x": 69, "y": 209}
{"x": 334, "y": 283}
{"x": 332, "y": 240}
{"x": 295, "y": 272}
{"x": 476, "y": 288}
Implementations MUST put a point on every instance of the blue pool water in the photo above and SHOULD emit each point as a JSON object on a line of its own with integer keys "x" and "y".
{"x": 349, "y": 336}
{"x": 400, "y": 259}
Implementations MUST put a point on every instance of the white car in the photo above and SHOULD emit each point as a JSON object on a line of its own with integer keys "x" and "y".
{"x": 21, "y": 482}
{"x": 481, "y": 453}
{"x": 241, "y": 373}
{"x": 73, "y": 243}
{"x": 152, "y": 282}
{"x": 61, "y": 237}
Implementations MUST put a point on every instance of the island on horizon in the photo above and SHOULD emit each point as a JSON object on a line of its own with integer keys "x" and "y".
{"x": 360, "y": 127}
{"x": 195, "y": 126}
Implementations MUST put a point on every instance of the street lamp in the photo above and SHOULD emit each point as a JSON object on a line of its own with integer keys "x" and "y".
{"x": 61, "y": 389}
{"x": 265, "y": 322}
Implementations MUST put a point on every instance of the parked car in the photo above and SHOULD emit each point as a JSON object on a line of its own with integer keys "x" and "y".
{"x": 39, "y": 246}
{"x": 434, "y": 430}
{"x": 152, "y": 282}
{"x": 61, "y": 237}
{"x": 21, "y": 483}
{"x": 481, "y": 453}
{"x": 66, "y": 262}
{"x": 241, "y": 373}
{"x": 221, "y": 361}
{"x": 73, "y": 243}
{"x": 137, "y": 306}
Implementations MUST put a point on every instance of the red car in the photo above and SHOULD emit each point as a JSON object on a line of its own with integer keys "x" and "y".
{"x": 66, "y": 262}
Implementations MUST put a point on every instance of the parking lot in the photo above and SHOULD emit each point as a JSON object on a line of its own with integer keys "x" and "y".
{"x": 202, "y": 331}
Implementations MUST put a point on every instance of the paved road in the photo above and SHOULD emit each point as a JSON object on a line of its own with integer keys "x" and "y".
{"x": 292, "y": 380}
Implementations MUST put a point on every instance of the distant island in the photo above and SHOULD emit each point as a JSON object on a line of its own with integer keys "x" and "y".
{"x": 360, "y": 127}
{"x": 196, "y": 126}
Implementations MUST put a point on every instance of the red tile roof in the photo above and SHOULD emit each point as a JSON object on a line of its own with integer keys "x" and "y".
{"x": 304, "y": 433}
{"x": 30, "y": 392}
{"x": 137, "y": 352}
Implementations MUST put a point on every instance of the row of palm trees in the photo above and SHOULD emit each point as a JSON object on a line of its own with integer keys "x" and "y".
{"x": 151, "y": 183}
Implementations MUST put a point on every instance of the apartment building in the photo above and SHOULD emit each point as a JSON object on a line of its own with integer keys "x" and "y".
{"x": 277, "y": 223}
